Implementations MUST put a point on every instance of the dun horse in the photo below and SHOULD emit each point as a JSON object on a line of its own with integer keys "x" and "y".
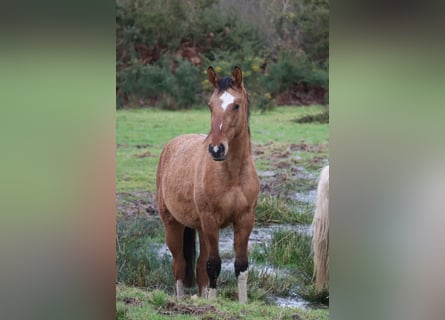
{"x": 320, "y": 227}
{"x": 205, "y": 183}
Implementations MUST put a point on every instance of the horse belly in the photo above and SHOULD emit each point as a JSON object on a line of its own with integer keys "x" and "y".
{"x": 183, "y": 211}
{"x": 178, "y": 180}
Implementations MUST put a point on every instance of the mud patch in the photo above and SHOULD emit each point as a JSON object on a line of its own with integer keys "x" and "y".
{"x": 313, "y": 148}
{"x": 146, "y": 154}
{"x": 290, "y": 169}
{"x": 138, "y": 146}
{"x": 132, "y": 301}
{"x": 132, "y": 203}
{"x": 206, "y": 311}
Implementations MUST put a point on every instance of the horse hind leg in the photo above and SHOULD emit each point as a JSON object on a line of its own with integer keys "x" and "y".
{"x": 176, "y": 235}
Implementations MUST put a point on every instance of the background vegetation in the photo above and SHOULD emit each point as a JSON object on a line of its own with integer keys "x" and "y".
{"x": 164, "y": 47}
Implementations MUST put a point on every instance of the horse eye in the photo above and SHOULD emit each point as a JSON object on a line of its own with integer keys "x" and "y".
{"x": 236, "y": 107}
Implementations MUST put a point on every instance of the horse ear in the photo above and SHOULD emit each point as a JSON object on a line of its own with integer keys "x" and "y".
{"x": 212, "y": 76}
{"x": 237, "y": 76}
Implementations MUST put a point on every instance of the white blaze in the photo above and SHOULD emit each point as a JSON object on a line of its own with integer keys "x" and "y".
{"x": 226, "y": 99}
{"x": 220, "y": 127}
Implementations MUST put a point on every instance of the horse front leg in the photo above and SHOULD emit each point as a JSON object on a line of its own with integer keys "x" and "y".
{"x": 210, "y": 233}
{"x": 242, "y": 229}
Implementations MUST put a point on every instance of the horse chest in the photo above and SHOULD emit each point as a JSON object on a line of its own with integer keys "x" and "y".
{"x": 234, "y": 201}
{"x": 226, "y": 206}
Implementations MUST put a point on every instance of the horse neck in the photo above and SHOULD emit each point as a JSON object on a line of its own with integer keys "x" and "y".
{"x": 240, "y": 152}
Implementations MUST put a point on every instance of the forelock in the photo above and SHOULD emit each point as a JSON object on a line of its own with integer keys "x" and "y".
{"x": 225, "y": 83}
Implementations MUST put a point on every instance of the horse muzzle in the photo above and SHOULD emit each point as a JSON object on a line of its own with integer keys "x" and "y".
{"x": 218, "y": 153}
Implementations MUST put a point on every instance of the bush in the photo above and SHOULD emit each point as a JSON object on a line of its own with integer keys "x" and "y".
{"x": 294, "y": 68}
{"x": 163, "y": 49}
{"x": 186, "y": 85}
{"x": 156, "y": 84}
{"x": 139, "y": 81}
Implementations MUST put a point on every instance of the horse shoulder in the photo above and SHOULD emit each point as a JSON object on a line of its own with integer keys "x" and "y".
{"x": 250, "y": 183}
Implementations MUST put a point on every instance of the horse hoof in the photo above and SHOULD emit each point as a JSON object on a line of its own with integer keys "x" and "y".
{"x": 211, "y": 294}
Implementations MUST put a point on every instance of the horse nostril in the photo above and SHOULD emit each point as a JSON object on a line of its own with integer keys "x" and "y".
{"x": 214, "y": 149}
{"x": 221, "y": 149}
{"x": 217, "y": 152}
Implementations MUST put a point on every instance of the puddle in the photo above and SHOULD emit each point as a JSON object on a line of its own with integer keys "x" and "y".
{"x": 261, "y": 234}
{"x": 267, "y": 173}
{"x": 292, "y": 302}
{"x": 306, "y": 197}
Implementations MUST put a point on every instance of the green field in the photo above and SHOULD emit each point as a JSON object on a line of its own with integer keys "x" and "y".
{"x": 142, "y": 133}
{"x": 288, "y": 156}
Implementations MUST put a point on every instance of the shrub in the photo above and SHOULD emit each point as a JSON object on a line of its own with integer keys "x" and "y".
{"x": 282, "y": 48}
{"x": 186, "y": 84}
{"x": 143, "y": 81}
{"x": 156, "y": 83}
{"x": 291, "y": 68}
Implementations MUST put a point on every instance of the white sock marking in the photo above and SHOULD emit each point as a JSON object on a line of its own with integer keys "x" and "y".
{"x": 212, "y": 294}
{"x": 226, "y": 99}
{"x": 179, "y": 289}
{"x": 242, "y": 287}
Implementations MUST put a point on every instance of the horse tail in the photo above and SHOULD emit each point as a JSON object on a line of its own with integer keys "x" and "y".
{"x": 189, "y": 246}
{"x": 320, "y": 228}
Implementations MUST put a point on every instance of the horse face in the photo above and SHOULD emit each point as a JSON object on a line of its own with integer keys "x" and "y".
{"x": 228, "y": 105}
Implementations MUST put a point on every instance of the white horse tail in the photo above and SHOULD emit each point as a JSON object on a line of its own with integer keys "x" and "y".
{"x": 320, "y": 231}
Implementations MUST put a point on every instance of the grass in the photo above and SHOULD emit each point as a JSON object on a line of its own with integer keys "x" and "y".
{"x": 137, "y": 304}
{"x": 138, "y": 263}
{"x": 290, "y": 251}
{"x": 322, "y": 117}
{"x": 288, "y": 157}
{"x": 272, "y": 209}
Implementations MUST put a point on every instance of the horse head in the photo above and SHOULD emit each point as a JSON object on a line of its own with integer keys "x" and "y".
{"x": 229, "y": 106}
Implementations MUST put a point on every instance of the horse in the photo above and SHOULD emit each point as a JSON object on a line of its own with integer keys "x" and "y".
{"x": 320, "y": 232}
{"x": 205, "y": 183}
